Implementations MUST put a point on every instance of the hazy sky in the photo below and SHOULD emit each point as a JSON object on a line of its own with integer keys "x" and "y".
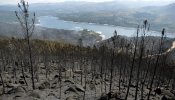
{"x": 156, "y": 2}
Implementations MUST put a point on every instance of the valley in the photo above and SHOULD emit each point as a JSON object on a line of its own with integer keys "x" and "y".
{"x": 80, "y": 50}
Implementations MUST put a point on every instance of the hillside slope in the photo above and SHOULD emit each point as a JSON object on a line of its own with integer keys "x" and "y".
{"x": 68, "y": 36}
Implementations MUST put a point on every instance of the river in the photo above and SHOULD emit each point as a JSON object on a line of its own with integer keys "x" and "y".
{"x": 105, "y": 30}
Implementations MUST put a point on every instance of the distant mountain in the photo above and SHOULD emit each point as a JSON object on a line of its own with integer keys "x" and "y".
{"x": 78, "y": 6}
{"x": 112, "y": 13}
{"x": 71, "y": 6}
{"x": 164, "y": 15}
{"x": 170, "y": 7}
{"x": 158, "y": 16}
{"x": 8, "y": 7}
{"x": 160, "y": 9}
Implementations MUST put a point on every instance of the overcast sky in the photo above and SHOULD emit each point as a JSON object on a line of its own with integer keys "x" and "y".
{"x": 156, "y": 2}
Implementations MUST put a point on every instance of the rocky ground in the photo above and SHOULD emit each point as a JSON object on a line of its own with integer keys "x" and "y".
{"x": 70, "y": 87}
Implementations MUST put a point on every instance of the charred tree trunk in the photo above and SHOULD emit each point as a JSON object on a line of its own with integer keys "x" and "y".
{"x": 156, "y": 63}
{"x": 132, "y": 66}
{"x": 23, "y": 18}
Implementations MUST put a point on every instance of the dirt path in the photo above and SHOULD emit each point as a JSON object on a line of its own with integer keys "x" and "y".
{"x": 172, "y": 47}
{"x": 169, "y": 50}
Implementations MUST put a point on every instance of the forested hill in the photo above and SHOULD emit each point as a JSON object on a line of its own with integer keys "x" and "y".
{"x": 68, "y": 36}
